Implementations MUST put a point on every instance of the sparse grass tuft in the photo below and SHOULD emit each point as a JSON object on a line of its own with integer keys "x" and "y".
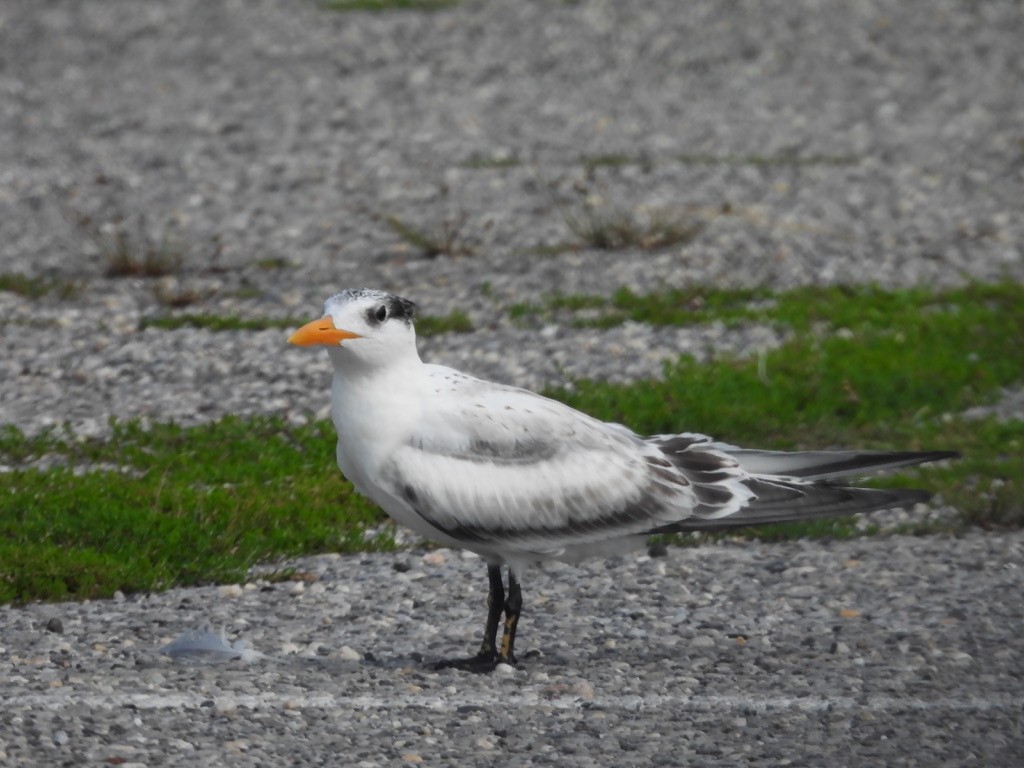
{"x": 781, "y": 159}
{"x": 133, "y": 253}
{"x": 591, "y": 163}
{"x": 129, "y": 257}
{"x": 575, "y": 302}
{"x": 176, "y": 295}
{"x": 218, "y": 322}
{"x": 523, "y": 309}
{"x": 274, "y": 262}
{"x": 37, "y": 287}
{"x": 388, "y": 5}
{"x": 23, "y": 285}
{"x": 617, "y": 229}
{"x": 446, "y": 240}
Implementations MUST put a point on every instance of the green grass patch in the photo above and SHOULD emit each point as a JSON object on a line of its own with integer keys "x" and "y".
{"x": 523, "y": 309}
{"x": 860, "y": 359}
{"x": 575, "y": 302}
{"x": 171, "y": 506}
{"x": 690, "y": 306}
{"x": 455, "y": 321}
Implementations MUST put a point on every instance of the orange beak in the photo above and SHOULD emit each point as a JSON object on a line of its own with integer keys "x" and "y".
{"x": 321, "y": 331}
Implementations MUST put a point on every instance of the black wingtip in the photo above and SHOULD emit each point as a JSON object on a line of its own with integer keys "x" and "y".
{"x": 920, "y": 457}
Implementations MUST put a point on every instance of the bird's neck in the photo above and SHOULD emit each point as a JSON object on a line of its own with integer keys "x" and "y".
{"x": 376, "y": 407}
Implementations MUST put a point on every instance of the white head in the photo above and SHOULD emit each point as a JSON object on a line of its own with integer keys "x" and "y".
{"x": 363, "y": 329}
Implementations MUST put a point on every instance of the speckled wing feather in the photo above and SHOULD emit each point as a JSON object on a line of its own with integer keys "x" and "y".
{"x": 493, "y": 465}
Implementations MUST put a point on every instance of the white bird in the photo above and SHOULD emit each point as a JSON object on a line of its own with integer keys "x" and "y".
{"x": 520, "y": 478}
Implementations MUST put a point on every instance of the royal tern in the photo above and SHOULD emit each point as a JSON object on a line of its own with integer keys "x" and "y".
{"x": 519, "y": 478}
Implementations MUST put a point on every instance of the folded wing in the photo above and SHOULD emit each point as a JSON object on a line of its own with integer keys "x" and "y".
{"x": 505, "y": 467}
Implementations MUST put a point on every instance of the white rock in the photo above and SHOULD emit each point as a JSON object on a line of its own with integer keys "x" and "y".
{"x": 346, "y": 653}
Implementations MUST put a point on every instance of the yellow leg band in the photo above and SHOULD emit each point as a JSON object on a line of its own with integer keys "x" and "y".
{"x": 506, "y": 637}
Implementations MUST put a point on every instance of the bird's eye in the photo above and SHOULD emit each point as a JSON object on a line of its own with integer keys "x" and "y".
{"x": 381, "y": 313}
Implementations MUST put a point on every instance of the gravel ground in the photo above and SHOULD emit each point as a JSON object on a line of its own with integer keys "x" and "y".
{"x": 887, "y": 651}
{"x": 266, "y": 142}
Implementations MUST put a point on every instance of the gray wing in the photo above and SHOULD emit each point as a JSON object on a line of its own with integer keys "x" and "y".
{"x": 500, "y": 467}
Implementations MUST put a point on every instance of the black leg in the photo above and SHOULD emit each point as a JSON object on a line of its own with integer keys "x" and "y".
{"x": 495, "y": 603}
{"x": 513, "y": 606}
{"x": 487, "y": 656}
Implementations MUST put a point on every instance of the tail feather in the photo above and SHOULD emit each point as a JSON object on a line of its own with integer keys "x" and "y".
{"x": 828, "y": 465}
{"x": 815, "y": 502}
{"x": 785, "y": 486}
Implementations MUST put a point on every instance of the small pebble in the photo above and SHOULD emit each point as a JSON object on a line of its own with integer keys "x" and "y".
{"x": 225, "y": 705}
{"x": 346, "y": 653}
{"x": 583, "y": 689}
